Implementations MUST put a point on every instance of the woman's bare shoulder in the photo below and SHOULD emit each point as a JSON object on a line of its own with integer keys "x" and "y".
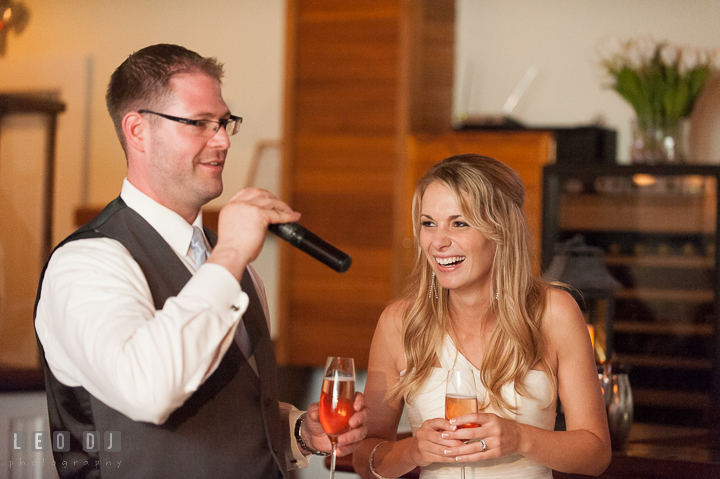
{"x": 560, "y": 306}
{"x": 387, "y": 341}
{"x": 563, "y": 320}
{"x": 393, "y": 315}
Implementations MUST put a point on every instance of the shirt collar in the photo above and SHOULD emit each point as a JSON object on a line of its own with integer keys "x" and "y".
{"x": 171, "y": 226}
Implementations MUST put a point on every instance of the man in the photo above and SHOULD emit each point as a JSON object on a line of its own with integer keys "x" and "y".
{"x": 145, "y": 334}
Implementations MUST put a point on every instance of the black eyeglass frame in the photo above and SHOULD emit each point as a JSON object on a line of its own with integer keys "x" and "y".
{"x": 222, "y": 122}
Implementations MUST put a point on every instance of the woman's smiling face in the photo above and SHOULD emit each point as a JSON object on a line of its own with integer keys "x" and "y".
{"x": 460, "y": 255}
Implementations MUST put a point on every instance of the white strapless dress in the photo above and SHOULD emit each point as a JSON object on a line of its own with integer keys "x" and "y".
{"x": 429, "y": 402}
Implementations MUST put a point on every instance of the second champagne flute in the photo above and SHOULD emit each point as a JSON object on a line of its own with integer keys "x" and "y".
{"x": 336, "y": 400}
{"x": 461, "y": 399}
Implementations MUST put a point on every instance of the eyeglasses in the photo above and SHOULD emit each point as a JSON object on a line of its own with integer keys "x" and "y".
{"x": 231, "y": 125}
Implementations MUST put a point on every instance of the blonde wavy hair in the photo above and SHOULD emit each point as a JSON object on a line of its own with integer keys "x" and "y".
{"x": 490, "y": 196}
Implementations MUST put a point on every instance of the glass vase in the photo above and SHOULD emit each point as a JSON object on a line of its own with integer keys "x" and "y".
{"x": 618, "y": 402}
{"x": 657, "y": 144}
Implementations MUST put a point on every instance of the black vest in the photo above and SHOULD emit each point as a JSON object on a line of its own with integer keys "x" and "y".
{"x": 228, "y": 428}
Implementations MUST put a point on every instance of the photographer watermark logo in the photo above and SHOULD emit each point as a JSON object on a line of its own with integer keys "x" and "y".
{"x": 40, "y": 441}
{"x": 30, "y": 448}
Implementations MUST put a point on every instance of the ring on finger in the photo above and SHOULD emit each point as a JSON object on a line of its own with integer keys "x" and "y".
{"x": 484, "y": 446}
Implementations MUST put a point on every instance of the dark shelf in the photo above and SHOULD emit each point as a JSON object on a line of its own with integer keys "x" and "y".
{"x": 659, "y": 240}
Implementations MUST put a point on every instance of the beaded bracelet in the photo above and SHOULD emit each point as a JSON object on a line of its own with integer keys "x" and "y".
{"x": 372, "y": 466}
{"x": 301, "y": 443}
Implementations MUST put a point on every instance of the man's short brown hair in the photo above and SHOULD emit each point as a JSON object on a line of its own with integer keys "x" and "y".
{"x": 143, "y": 80}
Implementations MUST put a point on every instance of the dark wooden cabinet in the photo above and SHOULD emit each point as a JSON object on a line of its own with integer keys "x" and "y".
{"x": 657, "y": 227}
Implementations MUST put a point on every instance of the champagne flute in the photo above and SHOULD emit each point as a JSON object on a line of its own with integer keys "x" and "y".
{"x": 336, "y": 400}
{"x": 461, "y": 398}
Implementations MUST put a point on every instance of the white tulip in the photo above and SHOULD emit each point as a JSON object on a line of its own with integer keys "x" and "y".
{"x": 688, "y": 60}
{"x": 641, "y": 52}
{"x": 703, "y": 58}
{"x": 668, "y": 55}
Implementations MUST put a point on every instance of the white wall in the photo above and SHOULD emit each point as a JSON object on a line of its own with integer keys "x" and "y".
{"x": 502, "y": 39}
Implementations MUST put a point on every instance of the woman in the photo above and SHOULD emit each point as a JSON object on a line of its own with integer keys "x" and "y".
{"x": 473, "y": 302}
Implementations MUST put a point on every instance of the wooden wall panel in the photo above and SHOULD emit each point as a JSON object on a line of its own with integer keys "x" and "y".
{"x": 339, "y": 173}
{"x": 362, "y": 219}
{"x": 360, "y": 76}
{"x": 432, "y": 65}
{"x": 344, "y": 153}
{"x": 348, "y": 48}
{"x": 346, "y": 108}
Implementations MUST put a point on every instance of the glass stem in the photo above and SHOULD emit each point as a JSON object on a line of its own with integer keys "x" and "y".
{"x": 332, "y": 460}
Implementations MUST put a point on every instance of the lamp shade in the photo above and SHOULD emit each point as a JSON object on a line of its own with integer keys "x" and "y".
{"x": 13, "y": 15}
{"x": 582, "y": 267}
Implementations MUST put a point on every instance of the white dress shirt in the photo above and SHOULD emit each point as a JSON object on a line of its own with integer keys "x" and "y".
{"x": 100, "y": 330}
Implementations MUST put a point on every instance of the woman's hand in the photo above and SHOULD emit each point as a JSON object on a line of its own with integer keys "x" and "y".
{"x": 501, "y": 437}
{"x": 431, "y": 442}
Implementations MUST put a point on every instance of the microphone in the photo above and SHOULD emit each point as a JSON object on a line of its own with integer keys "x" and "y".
{"x": 311, "y": 244}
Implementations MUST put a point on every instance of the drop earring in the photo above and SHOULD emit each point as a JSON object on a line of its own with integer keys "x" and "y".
{"x": 433, "y": 288}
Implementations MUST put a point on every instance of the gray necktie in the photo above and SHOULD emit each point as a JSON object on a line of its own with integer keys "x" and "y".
{"x": 197, "y": 243}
